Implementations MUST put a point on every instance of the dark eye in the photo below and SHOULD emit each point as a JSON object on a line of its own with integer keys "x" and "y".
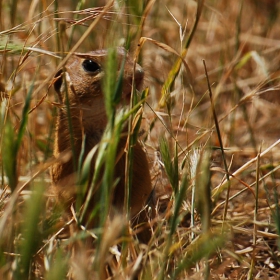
{"x": 90, "y": 66}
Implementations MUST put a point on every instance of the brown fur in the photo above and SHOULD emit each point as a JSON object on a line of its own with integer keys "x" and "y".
{"x": 88, "y": 117}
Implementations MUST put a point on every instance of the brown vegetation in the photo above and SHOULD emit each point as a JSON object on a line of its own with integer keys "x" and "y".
{"x": 214, "y": 159}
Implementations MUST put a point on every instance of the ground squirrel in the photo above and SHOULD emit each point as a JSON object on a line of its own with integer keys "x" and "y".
{"x": 83, "y": 75}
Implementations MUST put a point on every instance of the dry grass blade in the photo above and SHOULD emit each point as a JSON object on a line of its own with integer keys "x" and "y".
{"x": 220, "y": 140}
{"x": 220, "y": 187}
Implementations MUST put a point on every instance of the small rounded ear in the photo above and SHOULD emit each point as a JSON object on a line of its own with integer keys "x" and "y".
{"x": 58, "y": 79}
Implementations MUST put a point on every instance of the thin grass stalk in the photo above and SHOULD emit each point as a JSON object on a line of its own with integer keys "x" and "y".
{"x": 136, "y": 122}
{"x": 132, "y": 135}
{"x": 256, "y": 199}
{"x": 173, "y": 223}
{"x": 144, "y": 16}
{"x": 56, "y": 22}
{"x": 133, "y": 128}
{"x": 19, "y": 49}
{"x": 183, "y": 151}
{"x": 216, "y": 192}
{"x": 250, "y": 128}
{"x": 236, "y": 94}
{"x": 79, "y": 6}
{"x": 169, "y": 164}
{"x": 236, "y": 89}
{"x": 40, "y": 23}
{"x": 112, "y": 89}
{"x": 112, "y": 92}
{"x": 200, "y": 4}
{"x": 270, "y": 173}
{"x": 166, "y": 89}
{"x": 220, "y": 140}
{"x": 81, "y": 180}
{"x": 252, "y": 265}
{"x": 67, "y": 102}
{"x": 193, "y": 211}
{"x": 179, "y": 198}
{"x": 135, "y": 11}
{"x": 132, "y": 132}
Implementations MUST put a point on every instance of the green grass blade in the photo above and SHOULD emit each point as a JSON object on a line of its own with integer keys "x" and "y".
{"x": 201, "y": 248}
{"x": 31, "y": 234}
{"x": 110, "y": 84}
{"x": 24, "y": 117}
{"x": 179, "y": 198}
{"x": 58, "y": 267}
{"x": 9, "y": 155}
{"x": 166, "y": 89}
{"x": 169, "y": 164}
{"x": 11, "y": 142}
